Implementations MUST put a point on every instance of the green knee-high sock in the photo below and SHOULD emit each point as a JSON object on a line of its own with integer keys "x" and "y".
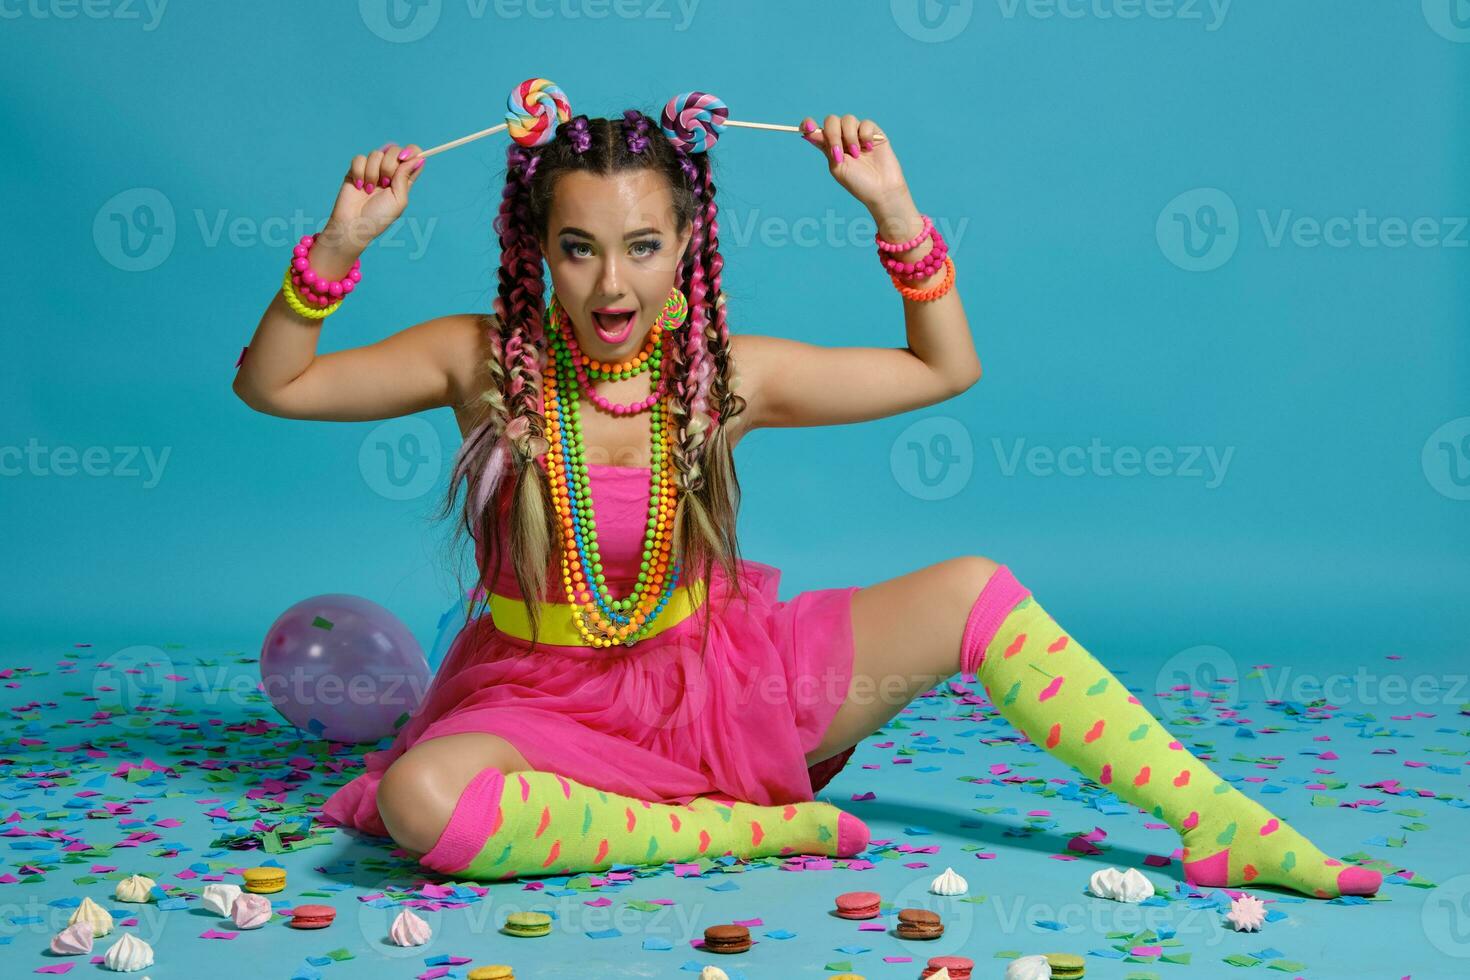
{"x": 506, "y": 825}
{"x": 1046, "y": 684}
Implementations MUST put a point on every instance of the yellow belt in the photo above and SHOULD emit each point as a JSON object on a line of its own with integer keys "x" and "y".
{"x": 510, "y": 615}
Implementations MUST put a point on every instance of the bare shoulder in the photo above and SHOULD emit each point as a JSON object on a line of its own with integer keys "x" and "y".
{"x": 461, "y": 345}
{"x": 749, "y": 356}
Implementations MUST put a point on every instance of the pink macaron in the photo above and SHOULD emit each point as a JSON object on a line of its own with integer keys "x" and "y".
{"x": 858, "y": 905}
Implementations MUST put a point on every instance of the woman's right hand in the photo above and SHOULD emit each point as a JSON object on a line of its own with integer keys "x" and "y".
{"x": 374, "y": 193}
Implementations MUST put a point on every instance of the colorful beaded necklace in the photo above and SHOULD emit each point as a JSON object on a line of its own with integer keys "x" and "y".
{"x": 600, "y": 617}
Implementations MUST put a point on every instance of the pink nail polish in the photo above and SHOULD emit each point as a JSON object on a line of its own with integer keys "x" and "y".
{"x": 384, "y": 147}
{"x": 853, "y": 150}
{"x": 358, "y": 183}
{"x": 868, "y": 145}
{"x": 837, "y": 154}
{"x": 417, "y": 165}
{"x": 403, "y": 154}
{"x": 371, "y": 188}
{"x": 384, "y": 180}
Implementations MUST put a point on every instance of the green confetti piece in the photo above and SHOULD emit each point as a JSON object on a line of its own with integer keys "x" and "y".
{"x": 1241, "y": 959}
{"x": 1181, "y": 959}
{"x": 1321, "y": 799}
{"x": 841, "y": 966}
{"x": 321, "y": 623}
{"x": 1287, "y": 966}
{"x": 1008, "y": 954}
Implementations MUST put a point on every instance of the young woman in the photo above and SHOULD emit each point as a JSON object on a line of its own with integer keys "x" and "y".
{"x": 632, "y": 691}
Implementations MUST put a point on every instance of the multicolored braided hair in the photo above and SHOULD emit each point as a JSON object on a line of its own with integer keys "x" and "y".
{"x": 497, "y": 460}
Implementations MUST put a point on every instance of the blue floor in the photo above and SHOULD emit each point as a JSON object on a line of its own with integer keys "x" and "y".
{"x": 166, "y": 761}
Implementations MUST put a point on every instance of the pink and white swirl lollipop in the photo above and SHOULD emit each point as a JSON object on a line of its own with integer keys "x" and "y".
{"x": 533, "y": 111}
{"x": 694, "y": 121}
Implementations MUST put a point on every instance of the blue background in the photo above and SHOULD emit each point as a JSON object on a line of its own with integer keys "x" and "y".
{"x": 1083, "y": 165}
{"x": 1050, "y": 145}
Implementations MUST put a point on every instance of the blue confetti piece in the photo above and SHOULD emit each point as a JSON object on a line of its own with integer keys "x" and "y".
{"x": 724, "y": 886}
{"x": 657, "y": 943}
{"x": 781, "y": 934}
{"x": 854, "y": 950}
{"x": 1107, "y": 954}
{"x": 169, "y": 904}
{"x": 1049, "y": 924}
{"x": 917, "y": 830}
{"x": 610, "y": 933}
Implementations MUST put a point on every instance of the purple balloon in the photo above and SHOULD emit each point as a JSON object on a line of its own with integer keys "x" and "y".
{"x": 343, "y": 668}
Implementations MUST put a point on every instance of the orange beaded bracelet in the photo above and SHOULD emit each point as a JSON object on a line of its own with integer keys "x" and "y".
{"x": 933, "y": 292}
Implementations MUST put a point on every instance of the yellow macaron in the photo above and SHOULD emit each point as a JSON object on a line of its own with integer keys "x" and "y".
{"x": 264, "y": 879}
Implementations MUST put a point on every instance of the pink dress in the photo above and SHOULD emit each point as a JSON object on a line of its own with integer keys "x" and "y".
{"x": 657, "y": 721}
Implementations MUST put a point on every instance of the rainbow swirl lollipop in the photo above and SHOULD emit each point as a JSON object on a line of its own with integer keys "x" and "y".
{"x": 693, "y": 121}
{"x": 533, "y": 111}
{"x": 536, "y": 107}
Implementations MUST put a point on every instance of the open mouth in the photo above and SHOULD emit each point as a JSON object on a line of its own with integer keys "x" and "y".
{"x": 613, "y": 328}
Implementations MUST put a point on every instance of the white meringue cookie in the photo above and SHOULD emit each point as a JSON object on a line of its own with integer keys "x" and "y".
{"x": 134, "y": 888}
{"x": 219, "y": 897}
{"x": 713, "y": 972}
{"x": 1029, "y": 968}
{"x": 1121, "y": 886}
{"x": 949, "y": 883}
{"x": 409, "y": 929}
{"x": 127, "y": 954}
{"x": 90, "y": 912}
{"x": 74, "y": 939}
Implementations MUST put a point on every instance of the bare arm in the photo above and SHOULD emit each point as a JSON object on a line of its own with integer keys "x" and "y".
{"x": 799, "y": 384}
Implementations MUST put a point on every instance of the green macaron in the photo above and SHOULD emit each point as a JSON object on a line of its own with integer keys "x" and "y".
{"x": 528, "y": 924}
{"x": 1066, "y": 966}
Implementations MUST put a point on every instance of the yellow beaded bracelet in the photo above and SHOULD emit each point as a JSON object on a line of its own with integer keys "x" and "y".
{"x": 295, "y": 302}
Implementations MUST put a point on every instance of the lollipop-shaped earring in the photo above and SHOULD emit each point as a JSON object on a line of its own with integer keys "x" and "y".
{"x": 533, "y": 110}
{"x": 693, "y": 122}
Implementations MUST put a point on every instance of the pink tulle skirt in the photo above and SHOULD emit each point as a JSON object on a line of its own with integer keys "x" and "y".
{"x": 659, "y": 721}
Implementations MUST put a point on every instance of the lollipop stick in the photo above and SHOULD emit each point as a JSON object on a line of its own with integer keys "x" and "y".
{"x": 880, "y": 138}
{"x": 463, "y": 140}
{"x": 756, "y": 125}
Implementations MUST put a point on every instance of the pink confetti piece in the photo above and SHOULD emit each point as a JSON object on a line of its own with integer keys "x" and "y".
{"x": 217, "y": 934}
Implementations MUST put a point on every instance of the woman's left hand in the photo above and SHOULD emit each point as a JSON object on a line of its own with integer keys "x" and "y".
{"x": 855, "y": 157}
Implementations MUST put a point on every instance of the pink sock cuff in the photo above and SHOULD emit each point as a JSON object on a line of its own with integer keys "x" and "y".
{"x": 469, "y": 824}
{"x": 995, "y": 602}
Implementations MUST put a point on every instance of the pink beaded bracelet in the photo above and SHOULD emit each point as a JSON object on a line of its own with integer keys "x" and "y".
{"x": 922, "y": 268}
{"x": 915, "y": 242}
{"x": 313, "y": 288}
